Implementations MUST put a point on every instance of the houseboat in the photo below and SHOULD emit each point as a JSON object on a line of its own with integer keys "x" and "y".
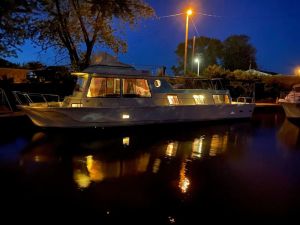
{"x": 117, "y": 94}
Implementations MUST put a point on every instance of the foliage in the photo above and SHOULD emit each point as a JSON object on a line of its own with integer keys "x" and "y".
{"x": 33, "y": 65}
{"x": 77, "y": 26}
{"x": 234, "y": 53}
{"x": 208, "y": 50}
{"x": 213, "y": 71}
{"x": 267, "y": 86}
{"x": 14, "y": 17}
{"x": 6, "y": 64}
{"x": 238, "y": 53}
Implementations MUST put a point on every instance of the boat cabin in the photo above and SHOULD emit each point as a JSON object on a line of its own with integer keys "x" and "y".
{"x": 123, "y": 85}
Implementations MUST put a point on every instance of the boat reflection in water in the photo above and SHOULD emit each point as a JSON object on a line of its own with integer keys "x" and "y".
{"x": 154, "y": 155}
{"x": 233, "y": 173}
{"x": 289, "y": 134}
{"x": 138, "y": 176}
{"x": 88, "y": 169}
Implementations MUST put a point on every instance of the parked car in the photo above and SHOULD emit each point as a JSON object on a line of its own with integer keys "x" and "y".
{"x": 48, "y": 75}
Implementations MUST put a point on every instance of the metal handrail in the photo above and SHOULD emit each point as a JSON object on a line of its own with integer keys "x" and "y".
{"x": 5, "y": 99}
{"x": 29, "y": 96}
{"x": 244, "y": 99}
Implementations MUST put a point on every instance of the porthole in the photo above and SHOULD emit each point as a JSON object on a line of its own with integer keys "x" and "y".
{"x": 157, "y": 83}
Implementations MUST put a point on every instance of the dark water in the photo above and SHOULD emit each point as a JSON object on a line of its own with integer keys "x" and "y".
{"x": 239, "y": 173}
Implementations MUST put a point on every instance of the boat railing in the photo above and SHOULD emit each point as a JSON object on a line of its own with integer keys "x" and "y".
{"x": 197, "y": 83}
{"x": 24, "y": 98}
{"x": 243, "y": 99}
{"x": 283, "y": 94}
{"x": 4, "y": 102}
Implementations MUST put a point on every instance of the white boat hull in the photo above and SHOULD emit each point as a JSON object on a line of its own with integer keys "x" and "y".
{"x": 129, "y": 116}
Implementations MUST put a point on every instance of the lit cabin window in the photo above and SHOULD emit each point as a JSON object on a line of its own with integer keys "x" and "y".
{"x": 125, "y": 116}
{"x": 76, "y": 105}
{"x": 199, "y": 99}
{"x": 221, "y": 99}
{"x": 80, "y": 85}
{"x": 136, "y": 88}
{"x": 104, "y": 87}
{"x": 173, "y": 100}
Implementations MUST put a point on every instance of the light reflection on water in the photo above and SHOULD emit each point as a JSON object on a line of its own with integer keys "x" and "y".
{"x": 289, "y": 134}
{"x": 98, "y": 159}
{"x": 245, "y": 168}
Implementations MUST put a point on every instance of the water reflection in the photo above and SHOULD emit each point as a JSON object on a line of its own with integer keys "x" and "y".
{"x": 155, "y": 174}
{"x": 197, "y": 148}
{"x": 89, "y": 169}
{"x": 184, "y": 181}
{"x": 172, "y": 149}
{"x": 288, "y": 134}
{"x": 98, "y": 159}
{"x": 98, "y": 167}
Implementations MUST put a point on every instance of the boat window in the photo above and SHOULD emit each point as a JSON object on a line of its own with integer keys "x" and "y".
{"x": 104, "y": 87}
{"x": 136, "y": 88}
{"x": 173, "y": 100}
{"x": 221, "y": 99}
{"x": 80, "y": 84}
{"x": 113, "y": 87}
{"x": 199, "y": 99}
{"x": 202, "y": 84}
{"x": 217, "y": 84}
{"x": 157, "y": 83}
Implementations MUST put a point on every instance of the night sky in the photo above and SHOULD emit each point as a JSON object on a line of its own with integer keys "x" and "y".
{"x": 272, "y": 25}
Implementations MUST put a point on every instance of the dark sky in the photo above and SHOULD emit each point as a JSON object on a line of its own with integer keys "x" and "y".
{"x": 272, "y": 25}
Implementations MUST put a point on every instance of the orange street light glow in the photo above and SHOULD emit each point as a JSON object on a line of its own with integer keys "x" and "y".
{"x": 189, "y": 12}
{"x": 297, "y": 71}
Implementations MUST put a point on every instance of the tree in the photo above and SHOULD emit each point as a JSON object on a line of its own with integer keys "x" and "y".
{"x": 6, "y": 64}
{"x": 209, "y": 50}
{"x": 77, "y": 26}
{"x": 238, "y": 53}
{"x": 34, "y": 65}
{"x": 14, "y": 18}
{"x": 215, "y": 71}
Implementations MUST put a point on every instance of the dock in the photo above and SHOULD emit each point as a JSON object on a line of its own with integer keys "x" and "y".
{"x": 268, "y": 105}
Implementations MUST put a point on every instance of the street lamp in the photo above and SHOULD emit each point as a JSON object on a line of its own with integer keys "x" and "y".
{"x": 197, "y": 60}
{"x": 188, "y": 13}
{"x": 297, "y": 71}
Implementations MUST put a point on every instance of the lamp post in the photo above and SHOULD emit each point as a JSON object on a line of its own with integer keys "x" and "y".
{"x": 188, "y": 13}
{"x": 197, "y": 60}
{"x": 297, "y": 71}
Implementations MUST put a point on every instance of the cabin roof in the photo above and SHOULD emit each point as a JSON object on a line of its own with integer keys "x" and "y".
{"x": 116, "y": 68}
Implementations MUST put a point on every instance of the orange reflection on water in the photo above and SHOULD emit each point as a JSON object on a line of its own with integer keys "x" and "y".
{"x": 126, "y": 141}
{"x": 197, "y": 148}
{"x": 172, "y": 149}
{"x": 81, "y": 179}
{"x": 184, "y": 181}
{"x": 88, "y": 169}
{"x": 156, "y": 165}
{"x": 218, "y": 144}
